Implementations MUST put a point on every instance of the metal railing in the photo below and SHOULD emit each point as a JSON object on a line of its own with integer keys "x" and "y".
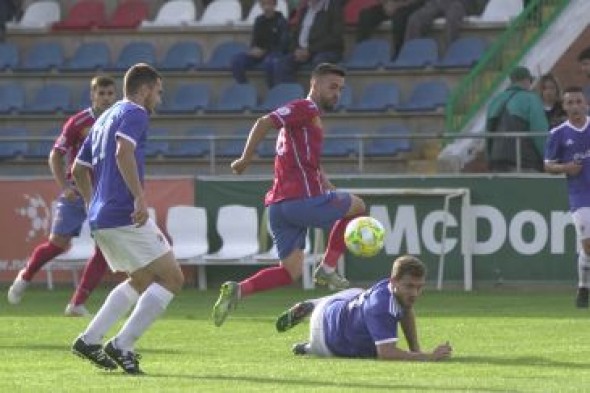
{"x": 360, "y": 155}
{"x": 493, "y": 68}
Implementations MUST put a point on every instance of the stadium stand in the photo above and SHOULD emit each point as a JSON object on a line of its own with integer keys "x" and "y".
{"x": 89, "y": 56}
{"x": 187, "y": 228}
{"x": 189, "y": 98}
{"x": 12, "y": 98}
{"x": 11, "y": 150}
{"x": 157, "y": 147}
{"x": 43, "y": 56}
{"x": 8, "y": 56}
{"x": 220, "y": 13}
{"x": 128, "y": 15}
{"x": 135, "y": 52}
{"x": 463, "y": 52}
{"x": 174, "y": 13}
{"x": 193, "y": 147}
{"x": 369, "y": 54}
{"x": 426, "y": 96}
{"x": 182, "y": 56}
{"x": 353, "y": 8}
{"x": 50, "y": 98}
{"x": 345, "y": 99}
{"x": 377, "y": 96}
{"x": 388, "y": 147}
{"x": 38, "y": 15}
{"x": 279, "y": 95}
{"x": 222, "y": 55}
{"x": 229, "y": 148}
{"x": 84, "y": 15}
{"x": 344, "y": 142}
{"x": 256, "y": 10}
{"x": 237, "y": 97}
{"x": 498, "y": 11}
{"x": 416, "y": 53}
{"x": 41, "y": 149}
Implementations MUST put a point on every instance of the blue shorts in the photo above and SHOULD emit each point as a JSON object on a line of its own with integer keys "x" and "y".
{"x": 68, "y": 217}
{"x": 290, "y": 219}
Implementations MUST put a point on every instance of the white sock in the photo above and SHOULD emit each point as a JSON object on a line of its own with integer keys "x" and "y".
{"x": 150, "y": 306}
{"x": 117, "y": 304}
{"x": 583, "y": 270}
{"x": 328, "y": 269}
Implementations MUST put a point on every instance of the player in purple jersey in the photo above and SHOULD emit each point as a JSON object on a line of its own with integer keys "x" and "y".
{"x": 568, "y": 152}
{"x": 114, "y": 154}
{"x": 360, "y": 323}
{"x": 69, "y": 214}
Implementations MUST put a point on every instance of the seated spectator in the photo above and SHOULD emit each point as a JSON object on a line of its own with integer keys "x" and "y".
{"x": 452, "y": 10}
{"x": 318, "y": 37}
{"x": 270, "y": 41}
{"x": 395, "y": 11}
{"x": 550, "y": 93}
{"x": 584, "y": 60}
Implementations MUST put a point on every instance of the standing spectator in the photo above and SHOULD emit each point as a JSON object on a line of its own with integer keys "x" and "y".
{"x": 584, "y": 60}
{"x": 550, "y": 93}
{"x": 395, "y": 11}
{"x": 270, "y": 40}
{"x": 567, "y": 153}
{"x": 318, "y": 38}
{"x": 452, "y": 10}
{"x": 517, "y": 109}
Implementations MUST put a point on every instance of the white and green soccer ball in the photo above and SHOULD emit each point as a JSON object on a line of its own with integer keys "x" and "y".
{"x": 364, "y": 236}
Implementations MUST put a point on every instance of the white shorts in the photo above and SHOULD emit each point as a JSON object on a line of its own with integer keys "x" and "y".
{"x": 317, "y": 338}
{"x": 581, "y": 219}
{"x": 130, "y": 248}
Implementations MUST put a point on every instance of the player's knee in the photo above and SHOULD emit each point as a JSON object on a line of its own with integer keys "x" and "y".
{"x": 175, "y": 281}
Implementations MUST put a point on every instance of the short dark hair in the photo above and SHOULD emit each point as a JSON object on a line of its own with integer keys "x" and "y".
{"x": 328, "y": 69}
{"x": 573, "y": 89}
{"x": 584, "y": 55}
{"x": 138, "y": 75}
{"x": 101, "y": 81}
{"x": 408, "y": 265}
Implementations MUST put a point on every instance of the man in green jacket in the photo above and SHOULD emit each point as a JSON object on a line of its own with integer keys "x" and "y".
{"x": 517, "y": 109}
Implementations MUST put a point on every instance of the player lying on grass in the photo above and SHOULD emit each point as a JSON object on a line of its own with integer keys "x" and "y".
{"x": 363, "y": 323}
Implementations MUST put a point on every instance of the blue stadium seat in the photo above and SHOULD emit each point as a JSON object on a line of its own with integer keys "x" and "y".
{"x": 587, "y": 93}
{"x": 183, "y": 55}
{"x": 41, "y": 149}
{"x": 267, "y": 147}
{"x": 13, "y": 149}
{"x": 12, "y": 98}
{"x": 90, "y": 56}
{"x": 345, "y": 99}
{"x": 386, "y": 147}
{"x": 84, "y": 101}
{"x": 50, "y": 98}
{"x": 369, "y": 54}
{"x": 237, "y": 97}
{"x": 463, "y": 53}
{"x": 377, "y": 96}
{"x": 43, "y": 56}
{"x": 426, "y": 96}
{"x": 279, "y": 95}
{"x": 416, "y": 53}
{"x": 154, "y": 148}
{"x": 8, "y": 56}
{"x": 133, "y": 53}
{"x": 222, "y": 56}
{"x": 193, "y": 148}
{"x": 187, "y": 99}
{"x": 232, "y": 148}
{"x": 345, "y": 145}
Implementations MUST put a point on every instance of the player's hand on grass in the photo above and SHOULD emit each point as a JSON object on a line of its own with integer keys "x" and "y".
{"x": 140, "y": 213}
{"x": 239, "y": 165}
{"x": 442, "y": 352}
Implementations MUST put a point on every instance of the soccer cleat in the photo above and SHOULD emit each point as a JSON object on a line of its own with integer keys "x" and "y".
{"x": 582, "y": 298}
{"x": 333, "y": 279}
{"x": 93, "y": 352}
{"x": 17, "y": 289}
{"x": 300, "y": 349}
{"x": 76, "y": 311}
{"x": 228, "y": 299}
{"x": 294, "y": 316}
{"x": 128, "y": 361}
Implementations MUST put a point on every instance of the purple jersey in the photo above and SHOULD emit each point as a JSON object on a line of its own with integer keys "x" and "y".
{"x": 353, "y": 327}
{"x": 112, "y": 202}
{"x": 567, "y": 143}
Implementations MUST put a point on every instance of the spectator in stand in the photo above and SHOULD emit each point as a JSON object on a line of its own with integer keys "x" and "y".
{"x": 550, "y": 93}
{"x": 318, "y": 37}
{"x": 584, "y": 60}
{"x": 395, "y": 11}
{"x": 270, "y": 41}
{"x": 452, "y": 10}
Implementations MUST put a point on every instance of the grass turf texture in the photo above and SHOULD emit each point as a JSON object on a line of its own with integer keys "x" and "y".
{"x": 503, "y": 341}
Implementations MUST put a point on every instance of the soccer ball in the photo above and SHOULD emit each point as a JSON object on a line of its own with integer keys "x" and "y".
{"x": 364, "y": 236}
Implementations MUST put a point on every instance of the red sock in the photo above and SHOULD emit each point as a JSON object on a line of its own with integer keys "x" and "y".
{"x": 264, "y": 280}
{"x": 42, "y": 254}
{"x": 336, "y": 246}
{"x": 93, "y": 272}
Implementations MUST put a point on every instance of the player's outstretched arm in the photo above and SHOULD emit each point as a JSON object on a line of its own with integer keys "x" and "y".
{"x": 408, "y": 324}
{"x": 569, "y": 168}
{"x": 389, "y": 351}
{"x": 257, "y": 134}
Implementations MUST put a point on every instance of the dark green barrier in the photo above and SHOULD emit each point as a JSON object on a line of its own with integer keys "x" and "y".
{"x": 522, "y": 231}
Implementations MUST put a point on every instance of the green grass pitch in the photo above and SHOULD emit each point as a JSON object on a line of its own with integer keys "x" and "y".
{"x": 504, "y": 341}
